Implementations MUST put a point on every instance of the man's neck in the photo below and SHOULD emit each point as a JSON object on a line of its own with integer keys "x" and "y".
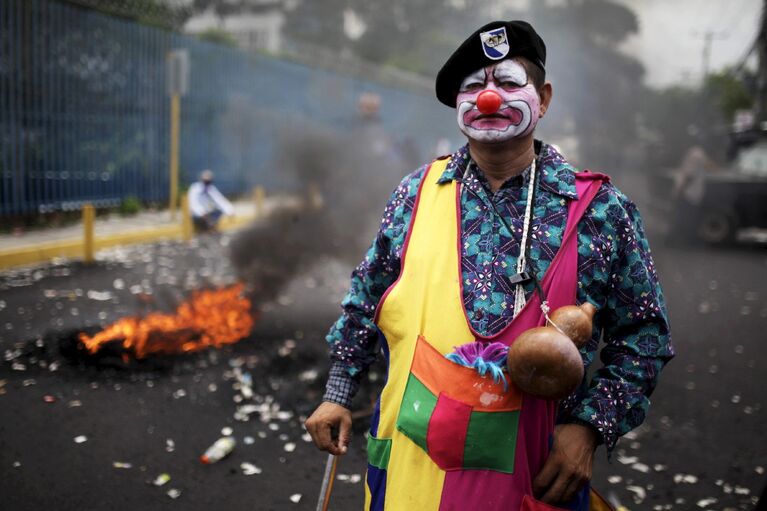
{"x": 502, "y": 161}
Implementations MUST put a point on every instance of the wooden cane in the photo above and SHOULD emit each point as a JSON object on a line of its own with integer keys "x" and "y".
{"x": 327, "y": 483}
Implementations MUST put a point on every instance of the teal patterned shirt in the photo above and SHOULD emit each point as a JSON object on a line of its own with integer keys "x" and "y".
{"x": 615, "y": 272}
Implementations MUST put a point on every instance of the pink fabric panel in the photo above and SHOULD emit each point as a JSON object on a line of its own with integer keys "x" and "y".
{"x": 495, "y": 491}
{"x": 446, "y": 435}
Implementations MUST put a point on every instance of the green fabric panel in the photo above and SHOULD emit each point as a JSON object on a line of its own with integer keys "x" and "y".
{"x": 378, "y": 451}
{"x": 491, "y": 441}
{"x": 416, "y": 409}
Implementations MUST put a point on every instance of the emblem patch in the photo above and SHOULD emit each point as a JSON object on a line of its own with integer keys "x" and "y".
{"x": 495, "y": 44}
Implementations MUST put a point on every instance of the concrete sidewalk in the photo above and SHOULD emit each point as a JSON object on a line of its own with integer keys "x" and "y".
{"x": 40, "y": 245}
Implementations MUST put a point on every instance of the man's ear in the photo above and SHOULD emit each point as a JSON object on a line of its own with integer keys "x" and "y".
{"x": 546, "y": 93}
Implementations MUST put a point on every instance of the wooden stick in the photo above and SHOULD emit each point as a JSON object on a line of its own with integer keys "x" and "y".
{"x": 327, "y": 483}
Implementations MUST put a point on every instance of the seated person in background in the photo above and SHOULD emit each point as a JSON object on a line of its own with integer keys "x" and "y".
{"x": 207, "y": 204}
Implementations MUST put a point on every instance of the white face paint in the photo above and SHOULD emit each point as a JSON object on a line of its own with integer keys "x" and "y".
{"x": 520, "y": 106}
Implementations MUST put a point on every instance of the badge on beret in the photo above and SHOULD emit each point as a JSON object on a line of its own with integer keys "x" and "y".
{"x": 495, "y": 44}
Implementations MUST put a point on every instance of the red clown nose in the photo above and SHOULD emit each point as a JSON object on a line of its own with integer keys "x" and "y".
{"x": 488, "y": 102}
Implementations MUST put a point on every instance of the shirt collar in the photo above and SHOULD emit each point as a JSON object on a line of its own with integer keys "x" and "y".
{"x": 556, "y": 174}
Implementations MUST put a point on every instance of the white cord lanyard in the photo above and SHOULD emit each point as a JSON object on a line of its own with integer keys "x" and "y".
{"x": 522, "y": 276}
{"x": 519, "y": 296}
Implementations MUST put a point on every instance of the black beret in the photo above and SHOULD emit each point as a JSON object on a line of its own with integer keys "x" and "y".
{"x": 491, "y": 43}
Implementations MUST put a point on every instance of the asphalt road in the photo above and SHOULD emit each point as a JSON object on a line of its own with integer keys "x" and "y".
{"x": 702, "y": 447}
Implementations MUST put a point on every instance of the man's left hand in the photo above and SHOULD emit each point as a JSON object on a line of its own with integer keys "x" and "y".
{"x": 568, "y": 467}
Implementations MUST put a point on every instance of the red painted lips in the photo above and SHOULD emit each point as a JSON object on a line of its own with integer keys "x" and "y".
{"x": 499, "y": 120}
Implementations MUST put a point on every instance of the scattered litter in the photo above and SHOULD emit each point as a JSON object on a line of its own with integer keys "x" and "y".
{"x": 122, "y": 464}
{"x": 161, "y": 479}
{"x": 212, "y": 387}
{"x": 249, "y": 469}
{"x": 740, "y": 490}
{"x": 735, "y": 399}
{"x": 284, "y": 437}
{"x": 248, "y": 440}
{"x": 80, "y": 439}
{"x": 179, "y": 394}
{"x": 118, "y": 284}
{"x": 273, "y": 426}
{"x": 707, "y": 502}
{"x": 173, "y": 493}
{"x": 16, "y": 464}
{"x": 289, "y": 447}
{"x": 659, "y": 468}
{"x": 170, "y": 445}
{"x": 704, "y": 307}
{"x": 219, "y": 450}
{"x": 227, "y": 431}
{"x": 640, "y": 467}
{"x": 75, "y": 403}
{"x": 639, "y": 493}
{"x": 631, "y": 435}
{"x": 759, "y": 470}
{"x": 99, "y": 296}
{"x": 739, "y": 349}
{"x": 295, "y": 498}
{"x": 29, "y": 382}
{"x": 284, "y": 415}
{"x": 309, "y": 375}
{"x": 685, "y": 478}
{"x": 261, "y": 434}
{"x": 49, "y": 399}
{"x": 306, "y": 437}
{"x": 287, "y": 347}
{"x": 355, "y": 478}
{"x": 628, "y": 460}
{"x": 614, "y": 479}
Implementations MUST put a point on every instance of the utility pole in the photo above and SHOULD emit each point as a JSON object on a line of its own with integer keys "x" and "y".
{"x": 709, "y": 36}
{"x": 760, "y": 113}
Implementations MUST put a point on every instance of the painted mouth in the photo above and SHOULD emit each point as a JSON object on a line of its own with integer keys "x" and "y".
{"x": 500, "y": 119}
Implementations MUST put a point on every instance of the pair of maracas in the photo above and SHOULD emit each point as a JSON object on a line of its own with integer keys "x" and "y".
{"x": 544, "y": 361}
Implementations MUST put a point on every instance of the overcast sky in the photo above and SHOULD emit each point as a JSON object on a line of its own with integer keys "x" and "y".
{"x": 670, "y": 40}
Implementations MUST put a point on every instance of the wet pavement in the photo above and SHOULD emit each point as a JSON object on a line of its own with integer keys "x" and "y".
{"x": 80, "y": 435}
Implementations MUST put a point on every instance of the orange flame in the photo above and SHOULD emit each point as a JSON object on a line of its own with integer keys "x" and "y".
{"x": 210, "y": 318}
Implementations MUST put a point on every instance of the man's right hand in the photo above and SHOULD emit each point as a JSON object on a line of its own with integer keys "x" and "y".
{"x": 327, "y": 418}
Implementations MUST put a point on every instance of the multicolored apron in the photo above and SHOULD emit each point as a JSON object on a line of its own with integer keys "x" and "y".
{"x": 443, "y": 437}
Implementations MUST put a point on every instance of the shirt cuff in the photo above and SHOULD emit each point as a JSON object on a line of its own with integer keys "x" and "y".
{"x": 341, "y": 386}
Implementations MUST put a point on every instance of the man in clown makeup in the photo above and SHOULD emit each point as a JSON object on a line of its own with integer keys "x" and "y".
{"x": 472, "y": 248}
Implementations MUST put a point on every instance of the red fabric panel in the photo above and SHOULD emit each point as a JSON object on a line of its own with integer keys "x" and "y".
{"x": 530, "y": 504}
{"x": 446, "y": 435}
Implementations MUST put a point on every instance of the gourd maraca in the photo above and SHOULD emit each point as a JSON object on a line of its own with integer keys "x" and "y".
{"x": 545, "y": 361}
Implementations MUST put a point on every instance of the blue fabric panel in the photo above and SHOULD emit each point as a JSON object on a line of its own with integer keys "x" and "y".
{"x": 376, "y": 481}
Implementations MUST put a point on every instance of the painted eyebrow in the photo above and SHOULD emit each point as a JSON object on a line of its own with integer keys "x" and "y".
{"x": 513, "y": 75}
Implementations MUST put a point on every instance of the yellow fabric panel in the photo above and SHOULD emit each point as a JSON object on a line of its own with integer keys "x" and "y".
{"x": 425, "y": 301}
{"x": 413, "y": 481}
{"x": 598, "y": 503}
{"x": 411, "y": 302}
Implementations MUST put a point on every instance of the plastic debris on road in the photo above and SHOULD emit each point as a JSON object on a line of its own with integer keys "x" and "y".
{"x": 219, "y": 450}
{"x": 161, "y": 479}
{"x": 249, "y": 469}
{"x": 80, "y": 439}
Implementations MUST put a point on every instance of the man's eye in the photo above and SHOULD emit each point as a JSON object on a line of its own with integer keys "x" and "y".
{"x": 473, "y": 86}
{"x": 511, "y": 85}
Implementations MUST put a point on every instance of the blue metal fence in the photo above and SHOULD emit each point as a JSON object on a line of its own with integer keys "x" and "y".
{"x": 84, "y": 114}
